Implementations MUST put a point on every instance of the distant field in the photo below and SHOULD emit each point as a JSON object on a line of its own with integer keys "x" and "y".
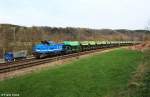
{"x": 104, "y": 75}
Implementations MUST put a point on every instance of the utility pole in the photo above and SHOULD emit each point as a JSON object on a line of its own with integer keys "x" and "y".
{"x": 14, "y": 37}
{"x": 79, "y": 49}
{"x": 14, "y": 30}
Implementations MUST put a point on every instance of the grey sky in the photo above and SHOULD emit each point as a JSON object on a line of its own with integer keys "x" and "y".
{"x": 128, "y": 14}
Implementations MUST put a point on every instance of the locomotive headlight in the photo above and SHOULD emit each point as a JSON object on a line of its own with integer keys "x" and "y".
{"x": 37, "y": 49}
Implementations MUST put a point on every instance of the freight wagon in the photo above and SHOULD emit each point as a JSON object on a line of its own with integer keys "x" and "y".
{"x": 12, "y": 56}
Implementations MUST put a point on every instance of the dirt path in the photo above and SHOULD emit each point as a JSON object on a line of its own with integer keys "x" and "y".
{"x": 141, "y": 47}
{"x": 56, "y": 64}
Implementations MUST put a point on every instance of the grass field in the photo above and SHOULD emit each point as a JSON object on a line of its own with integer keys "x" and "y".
{"x": 104, "y": 75}
{"x": 142, "y": 86}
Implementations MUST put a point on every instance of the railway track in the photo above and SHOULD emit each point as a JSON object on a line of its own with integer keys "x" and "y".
{"x": 16, "y": 62}
{"x": 8, "y": 67}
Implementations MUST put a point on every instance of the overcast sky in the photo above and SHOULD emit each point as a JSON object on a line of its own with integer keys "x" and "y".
{"x": 115, "y": 14}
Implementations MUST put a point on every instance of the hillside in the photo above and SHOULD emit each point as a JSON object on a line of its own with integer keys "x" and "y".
{"x": 14, "y": 37}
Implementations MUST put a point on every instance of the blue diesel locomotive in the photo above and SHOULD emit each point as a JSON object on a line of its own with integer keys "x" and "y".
{"x": 47, "y": 48}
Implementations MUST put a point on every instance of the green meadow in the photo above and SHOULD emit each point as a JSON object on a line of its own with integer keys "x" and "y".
{"x": 102, "y": 75}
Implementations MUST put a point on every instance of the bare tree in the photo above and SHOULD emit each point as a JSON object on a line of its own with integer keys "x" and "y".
{"x": 148, "y": 25}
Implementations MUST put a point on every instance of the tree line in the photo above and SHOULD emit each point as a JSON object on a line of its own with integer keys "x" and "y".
{"x": 15, "y": 37}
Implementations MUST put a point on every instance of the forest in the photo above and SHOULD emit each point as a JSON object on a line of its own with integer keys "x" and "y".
{"x": 15, "y": 37}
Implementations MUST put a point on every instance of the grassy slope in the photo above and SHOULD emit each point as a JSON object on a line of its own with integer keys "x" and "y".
{"x": 97, "y": 76}
{"x": 142, "y": 89}
{"x": 146, "y": 80}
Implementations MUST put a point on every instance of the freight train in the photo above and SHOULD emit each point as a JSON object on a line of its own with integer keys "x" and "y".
{"x": 49, "y": 48}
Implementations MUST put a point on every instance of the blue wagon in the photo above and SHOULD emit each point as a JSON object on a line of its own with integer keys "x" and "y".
{"x": 12, "y": 56}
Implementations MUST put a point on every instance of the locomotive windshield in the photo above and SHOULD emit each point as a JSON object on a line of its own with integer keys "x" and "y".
{"x": 47, "y": 42}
